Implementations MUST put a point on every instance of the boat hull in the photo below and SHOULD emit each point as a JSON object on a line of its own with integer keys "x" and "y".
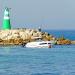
{"x": 43, "y": 44}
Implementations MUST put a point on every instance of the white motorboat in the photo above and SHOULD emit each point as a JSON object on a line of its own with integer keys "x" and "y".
{"x": 40, "y": 44}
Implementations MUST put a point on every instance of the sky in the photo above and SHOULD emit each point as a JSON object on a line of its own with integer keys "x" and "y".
{"x": 47, "y": 14}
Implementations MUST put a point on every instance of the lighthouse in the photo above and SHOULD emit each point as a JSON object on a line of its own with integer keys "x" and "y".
{"x": 6, "y": 20}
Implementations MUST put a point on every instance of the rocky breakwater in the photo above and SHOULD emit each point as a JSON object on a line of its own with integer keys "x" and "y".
{"x": 19, "y": 36}
{"x": 63, "y": 41}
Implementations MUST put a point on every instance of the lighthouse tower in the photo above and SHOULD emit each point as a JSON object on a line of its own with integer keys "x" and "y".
{"x": 6, "y": 20}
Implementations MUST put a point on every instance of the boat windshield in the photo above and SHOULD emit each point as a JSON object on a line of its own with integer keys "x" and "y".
{"x": 44, "y": 43}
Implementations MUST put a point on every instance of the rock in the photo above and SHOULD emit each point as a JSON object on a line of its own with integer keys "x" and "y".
{"x": 73, "y": 42}
{"x": 63, "y": 42}
{"x": 18, "y": 36}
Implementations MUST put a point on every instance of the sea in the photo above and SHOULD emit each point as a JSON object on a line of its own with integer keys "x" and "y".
{"x": 58, "y": 60}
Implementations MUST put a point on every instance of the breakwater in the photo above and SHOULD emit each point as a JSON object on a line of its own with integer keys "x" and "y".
{"x": 19, "y": 36}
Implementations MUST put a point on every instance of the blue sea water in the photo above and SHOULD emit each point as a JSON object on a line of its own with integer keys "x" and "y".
{"x": 17, "y": 60}
{"x": 68, "y": 34}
